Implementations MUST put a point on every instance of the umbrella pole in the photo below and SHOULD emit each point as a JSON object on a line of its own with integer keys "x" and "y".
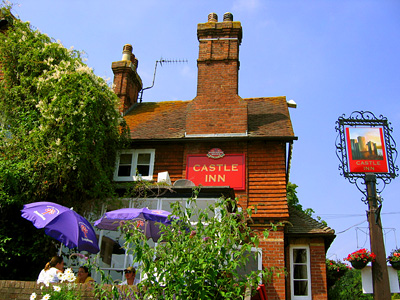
{"x": 125, "y": 260}
{"x": 60, "y": 250}
{"x": 98, "y": 254}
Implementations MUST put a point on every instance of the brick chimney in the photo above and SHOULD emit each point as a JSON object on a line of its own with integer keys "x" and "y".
{"x": 217, "y": 108}
{"x": 127, "y": 83}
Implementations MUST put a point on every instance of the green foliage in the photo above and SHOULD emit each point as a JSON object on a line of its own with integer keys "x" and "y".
{"x": 291, "y": 195}
{"x": 60, "y": 127}
{"x": 197, "y": 260}
{"x": 349, "y": 287}
{"x": 335, "y": 270}
{"x": 394, "y": 256}
{"x": 59, "y": 132}
{"x": 293, "y": 201}
{"x": 65, "y": 290}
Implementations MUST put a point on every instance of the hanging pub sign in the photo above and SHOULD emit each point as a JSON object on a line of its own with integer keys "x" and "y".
{"x": 364, "y": 145}
{"x": 217, "y": 169}
{"x": 366, "y": 149}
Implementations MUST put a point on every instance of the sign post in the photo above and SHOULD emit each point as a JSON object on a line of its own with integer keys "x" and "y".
{"x": 380, "y": 276}
{"x": 365, "y": 149}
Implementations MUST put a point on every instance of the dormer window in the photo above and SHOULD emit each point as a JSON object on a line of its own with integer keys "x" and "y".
{"x": 134, "y": 164}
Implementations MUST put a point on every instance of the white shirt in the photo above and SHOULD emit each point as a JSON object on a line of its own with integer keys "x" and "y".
{"x": 49, "y": 276}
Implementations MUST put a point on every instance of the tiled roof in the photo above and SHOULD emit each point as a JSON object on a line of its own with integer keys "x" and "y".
{"x": 302, "y": 224}
{"x": 267, "y": 117}
{"x": 157, "y": 120}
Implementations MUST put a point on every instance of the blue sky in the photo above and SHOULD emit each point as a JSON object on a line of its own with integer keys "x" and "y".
{"x": 330, "y": 57}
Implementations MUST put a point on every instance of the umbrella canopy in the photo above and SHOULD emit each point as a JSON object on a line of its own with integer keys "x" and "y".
{"x": 147, "y": 220}
{"x": 63, "y": 224}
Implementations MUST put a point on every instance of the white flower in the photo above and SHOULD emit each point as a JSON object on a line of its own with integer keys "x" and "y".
{"x": 57, "y": 288}
{"x": 33, "y": 296}
{"x": 60, "y": 276}
{"x": 69, "y": 275}
{"x": 46, "y": 297}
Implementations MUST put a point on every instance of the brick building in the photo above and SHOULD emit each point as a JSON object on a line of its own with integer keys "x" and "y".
{"x": 229, "y": 145}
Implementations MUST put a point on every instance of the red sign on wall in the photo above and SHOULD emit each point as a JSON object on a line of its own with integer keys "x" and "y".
{"x": 366, "y": 150}
{"x": 228, "y": 170}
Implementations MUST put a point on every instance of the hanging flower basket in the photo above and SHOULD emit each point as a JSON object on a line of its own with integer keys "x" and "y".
{"x": 395, "y": 265}
{"x": 358, "y": 264}
{"x": 360, "y": 258}
{"x": 394, "y": 259}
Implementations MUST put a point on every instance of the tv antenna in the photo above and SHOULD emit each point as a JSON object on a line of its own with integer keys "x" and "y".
{"x": 161, "y": 62}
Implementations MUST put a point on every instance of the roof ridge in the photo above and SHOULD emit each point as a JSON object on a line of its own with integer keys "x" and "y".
{"x": 310, "y": 220}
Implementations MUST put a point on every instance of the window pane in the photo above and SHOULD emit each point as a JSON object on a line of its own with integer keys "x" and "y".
{"x": 251, "y": 265}
{"x": 202, "y": 204}
{"x": 166, "y": 204}
{"x": 143, "y": 159}
{"x": 300, "y": 288}
{"x": 143, "y": 170}
{"x": 124, "y": 170}
{"x": 125, "y": 159}
{"x": 149, "y": 203}
{"x": 300, "y": 256}
{"x": 300, "y": 272}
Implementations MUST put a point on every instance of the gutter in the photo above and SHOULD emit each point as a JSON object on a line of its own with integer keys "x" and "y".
{"x": 222, "y": 137}
{"x": 289, "y": 161}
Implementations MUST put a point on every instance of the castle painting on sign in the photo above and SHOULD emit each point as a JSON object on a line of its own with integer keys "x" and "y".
{"x": 366, "y": 150}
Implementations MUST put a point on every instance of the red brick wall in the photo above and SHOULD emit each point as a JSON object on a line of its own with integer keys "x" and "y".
{"x": 21, "y": 290}
{"x": 168, "y": 157}
{"x": 317, "y": 266}
{"x": 218, "y": 114}
{"x": 265, "y": 170}
{"x": 217, "y": 108}
{"x": 267, "y": 178}
{"x": 127, "y": 83}
{"x": 318, "y": 270}
{"x": 273, "y": 250}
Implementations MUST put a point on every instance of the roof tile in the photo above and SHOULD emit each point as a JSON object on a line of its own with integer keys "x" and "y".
{"x": 267, "y": 117}
{"x": 304, "y": 224}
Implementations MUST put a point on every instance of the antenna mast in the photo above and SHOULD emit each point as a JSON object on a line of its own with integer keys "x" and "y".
{"x": 161, "y": 62}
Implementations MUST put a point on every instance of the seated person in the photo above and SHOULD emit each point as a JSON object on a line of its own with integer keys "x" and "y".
{"x": 130, "y": 274}
{"x": 83, "y": 275}
{"x": 51, "y": 270}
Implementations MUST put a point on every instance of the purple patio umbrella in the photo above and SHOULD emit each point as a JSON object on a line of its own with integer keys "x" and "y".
{"x": 63, "y": 224}
{"x": 147, "y": 220}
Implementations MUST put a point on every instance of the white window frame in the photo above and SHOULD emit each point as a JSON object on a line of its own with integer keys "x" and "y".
{"x": 297, "y": 297}
{"x": 258, "y": 251}
{"x": 135, "y": 153}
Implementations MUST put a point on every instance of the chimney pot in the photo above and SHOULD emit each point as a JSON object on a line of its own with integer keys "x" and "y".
{"x": 212, "y": 17}
{"x": 127, "y": 52}
{"x": 228, "y": 17}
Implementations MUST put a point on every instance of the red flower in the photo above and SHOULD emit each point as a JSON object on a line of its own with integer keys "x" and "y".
{"x": 361, "y": 255}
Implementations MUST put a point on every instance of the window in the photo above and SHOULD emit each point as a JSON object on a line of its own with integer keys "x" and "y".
{"x": 135, "y": 164}
{"x": 253, "y": 264}
{"x": 113, "y": 259}
{"x": 300, "y": 280}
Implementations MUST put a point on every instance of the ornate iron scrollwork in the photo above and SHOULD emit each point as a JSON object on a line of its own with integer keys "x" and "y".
{"x": 366, "y": 119}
